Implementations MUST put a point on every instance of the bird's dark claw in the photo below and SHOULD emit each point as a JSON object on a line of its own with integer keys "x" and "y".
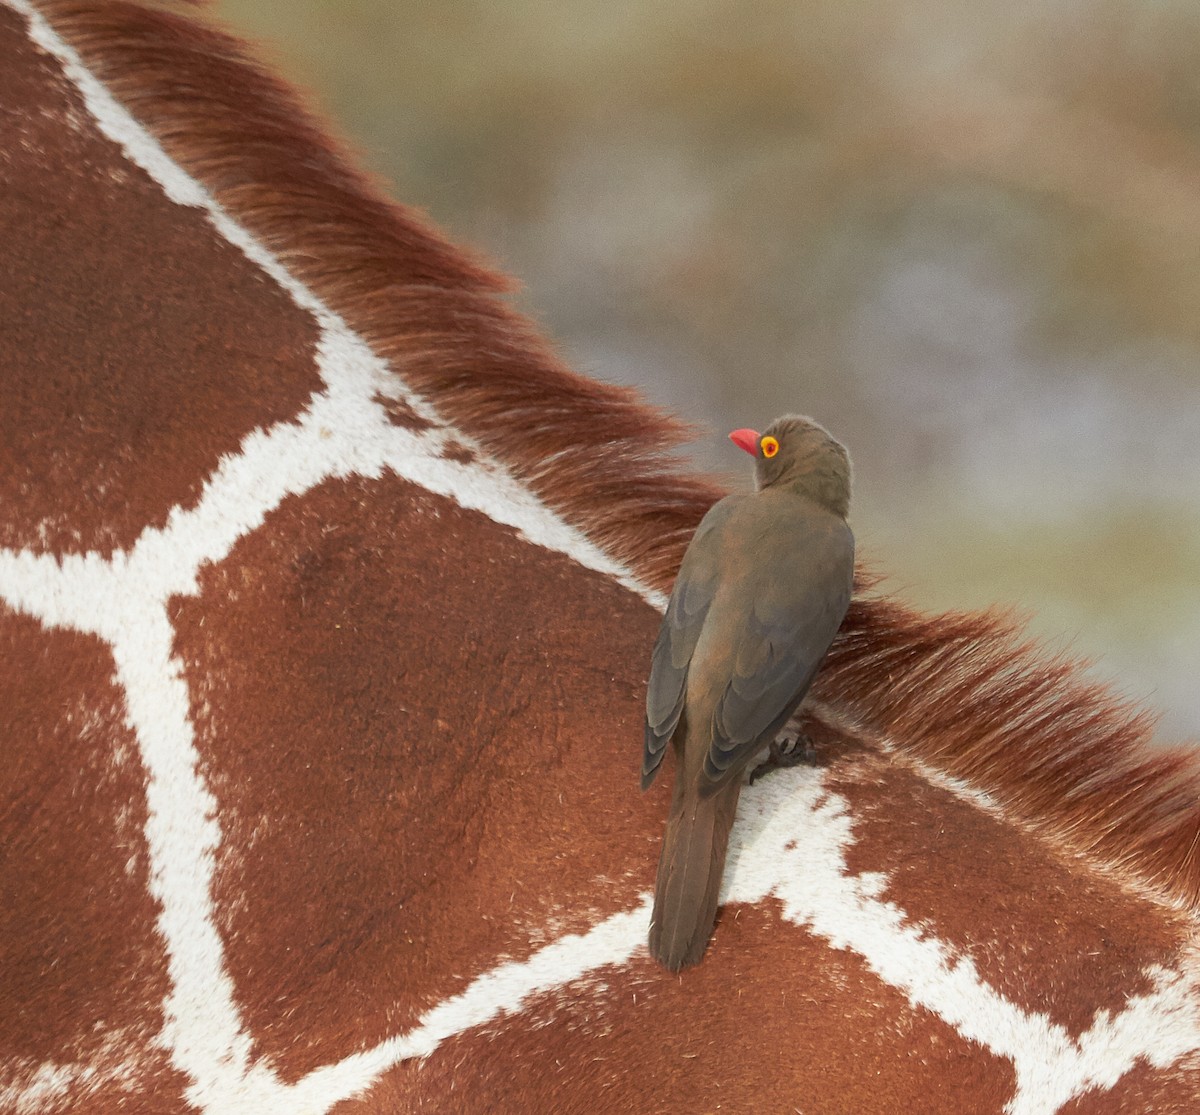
{"x": 785, "y": 751}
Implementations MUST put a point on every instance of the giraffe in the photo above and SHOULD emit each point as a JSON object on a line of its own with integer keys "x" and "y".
{"x": 326, "y": 598}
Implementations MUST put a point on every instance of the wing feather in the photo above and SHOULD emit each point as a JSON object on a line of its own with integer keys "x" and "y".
{"x": 695, "y": 586}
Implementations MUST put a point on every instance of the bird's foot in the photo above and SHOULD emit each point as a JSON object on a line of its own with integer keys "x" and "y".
{"x": 788, "y": 750}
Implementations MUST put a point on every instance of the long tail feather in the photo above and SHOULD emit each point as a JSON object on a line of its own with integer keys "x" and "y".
{"x": 689, "y": 872}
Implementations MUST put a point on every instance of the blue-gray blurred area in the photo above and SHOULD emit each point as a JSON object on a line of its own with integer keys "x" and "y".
{"x": 965, "y": 237}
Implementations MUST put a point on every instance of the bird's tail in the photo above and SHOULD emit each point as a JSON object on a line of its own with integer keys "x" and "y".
{"x": 689, "y": 872}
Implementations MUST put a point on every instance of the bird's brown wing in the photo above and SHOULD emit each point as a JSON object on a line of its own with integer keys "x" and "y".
{"x": 786, "y": 631}
{"x": 695, "y": 586}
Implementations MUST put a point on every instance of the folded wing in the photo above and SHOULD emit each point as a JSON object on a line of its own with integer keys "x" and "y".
{"x": 786, "y": 631}
{"x": 691, "y": 598}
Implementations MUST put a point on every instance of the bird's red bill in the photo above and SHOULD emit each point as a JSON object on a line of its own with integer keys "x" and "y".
{"x": 746, "y": 439}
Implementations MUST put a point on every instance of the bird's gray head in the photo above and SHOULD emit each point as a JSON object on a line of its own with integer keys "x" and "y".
{"x": 795, "y": 452}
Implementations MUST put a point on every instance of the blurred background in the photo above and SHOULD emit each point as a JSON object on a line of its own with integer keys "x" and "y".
{"x": 965, "y": 237}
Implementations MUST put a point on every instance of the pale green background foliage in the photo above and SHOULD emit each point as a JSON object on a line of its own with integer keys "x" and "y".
{"x": 966, "y": 237}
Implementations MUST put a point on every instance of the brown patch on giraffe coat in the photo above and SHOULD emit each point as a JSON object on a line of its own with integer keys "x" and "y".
{"x": 728, "y": 1035}
{"x": 84, "y": 973}
{"x": 400, "y": 414}
{"x": 139, "y": 345}
{"x": 422, "y": 732}
{"x": 458, "y": 452}
{"x": 1052, "y": 937}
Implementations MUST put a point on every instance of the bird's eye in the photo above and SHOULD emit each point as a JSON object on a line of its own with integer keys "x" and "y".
{"x": 769, "y": 446}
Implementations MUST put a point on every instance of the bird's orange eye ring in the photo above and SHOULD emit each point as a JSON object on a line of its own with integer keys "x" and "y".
{"x": 769, "y": 446}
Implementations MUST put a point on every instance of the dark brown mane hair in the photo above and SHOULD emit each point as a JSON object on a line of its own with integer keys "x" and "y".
{"x": 964, "y": 693}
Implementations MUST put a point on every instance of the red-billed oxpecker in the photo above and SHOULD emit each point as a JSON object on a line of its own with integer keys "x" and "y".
{"x": 760, "y": 594}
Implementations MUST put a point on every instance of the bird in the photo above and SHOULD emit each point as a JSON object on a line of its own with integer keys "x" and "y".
{"x": 760, "y": 594}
